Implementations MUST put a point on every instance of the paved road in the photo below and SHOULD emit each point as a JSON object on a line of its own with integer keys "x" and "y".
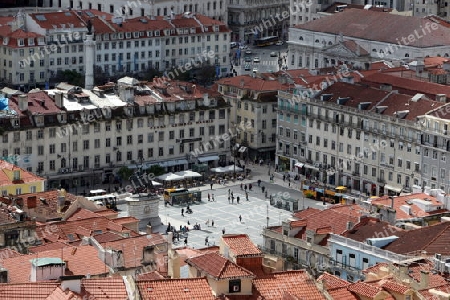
{"x": 266, "y": 63}
{"x": 254, "y": 212}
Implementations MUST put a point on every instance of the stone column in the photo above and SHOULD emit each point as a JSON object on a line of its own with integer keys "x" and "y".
{"x": 89, "y": 46}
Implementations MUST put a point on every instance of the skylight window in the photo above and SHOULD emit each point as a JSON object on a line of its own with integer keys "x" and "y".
{"x": 41, "y": 18}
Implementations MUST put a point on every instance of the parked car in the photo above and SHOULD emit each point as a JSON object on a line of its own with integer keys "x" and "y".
{"x": 248, "y": 51}
{"x": 279, "y": 43}
{"x": 273, "y": 54}
{"x": 247, "y": 67}
{"x": 247, "y": 59}
{"x": 256, "y": 59}
{"x": 233, "y": 45}
{"x": 243, "y": 47}
{"x": 255, "y": 70}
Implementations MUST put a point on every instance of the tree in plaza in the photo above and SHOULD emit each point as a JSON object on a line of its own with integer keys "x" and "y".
{"x": 156, "y": 170}
{"x": 125, "y": 173}
{"x": 69, "y": 76}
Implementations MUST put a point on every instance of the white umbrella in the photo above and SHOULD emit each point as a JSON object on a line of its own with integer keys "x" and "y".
{"x": 155, "y": 183}
{"x": 233, "y": 168}
{"x": 218, "y": 170}
{"x": 170, "y": 176}
{"x": 188, "y": 174}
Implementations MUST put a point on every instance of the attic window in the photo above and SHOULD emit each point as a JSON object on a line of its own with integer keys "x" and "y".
{"x": 31, "y": 42}
{"x": 20, "y": 42}
{"x": 156, "y": 32}
{"x": 317, "y": 41}
{"x": 406, "y": 55}
{"x": 300, "y": 38}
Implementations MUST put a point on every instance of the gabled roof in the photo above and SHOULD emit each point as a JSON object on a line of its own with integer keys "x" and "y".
{"x": 297, "y": 283}
{"x": 175, "y": 289}
{"x": 80, "y": 261}
{"x": 382, "y": 27}
{"x": 30, "y": 290}
{"x": 25, "y": 176}
{"x": 154, "y": 275}
{"x": 253, "y": 84}
{"x": 218, "y": 267}
{"x": 432, "y": 239}
{"x": 364, "y": 289}
{"x": 241, "y": 245}
{"x": 371, "y": 227}
{"x": 105, "y": 288}
{"x": 332, "y": 281}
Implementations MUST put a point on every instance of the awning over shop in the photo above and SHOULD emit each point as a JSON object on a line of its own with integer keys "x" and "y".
{"x": 299, "y": 165}
{"x": 171, "y": 163}
{"x": 311, "y": 167}
{"x": 396, "y": 189}
{"x": 208, "y": 158}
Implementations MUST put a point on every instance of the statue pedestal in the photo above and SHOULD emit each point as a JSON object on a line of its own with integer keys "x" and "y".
{"x": 145, "y": 208}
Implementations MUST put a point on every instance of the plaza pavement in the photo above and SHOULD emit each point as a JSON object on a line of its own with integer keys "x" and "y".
{"x": 254, "y": 212}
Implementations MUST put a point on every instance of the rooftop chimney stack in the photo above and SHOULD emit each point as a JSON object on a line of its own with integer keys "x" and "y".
{"x": 23, "y": 102}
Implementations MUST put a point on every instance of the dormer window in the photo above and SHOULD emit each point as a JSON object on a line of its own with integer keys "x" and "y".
{"x": 149, "y": 33}
{"x": 106, "y": 36}
{"x": 128, "y": 35}
{"x": 30, "y": 42}
{"x": 20, "y": 43}
{"x": 120, "y": 35}
{"x": 41, "y": 41}
{"x": 16, "y": 175}
{"x": 5, "y": 41}
{"x": 156, "y": 32}
{"x": 192, "y": 30}
{"x": 216, "y": 28}
{"x": 136, "y": 34}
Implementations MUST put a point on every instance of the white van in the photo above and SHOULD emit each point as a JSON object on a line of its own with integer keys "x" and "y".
{"x": 233, "y": 45}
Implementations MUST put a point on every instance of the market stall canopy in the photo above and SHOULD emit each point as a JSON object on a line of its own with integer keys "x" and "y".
{"x": 170, "y": 176}
{"x": 155, "y": 183}
{"x": 227, "y": 169}
{"x": 188, "y": 174}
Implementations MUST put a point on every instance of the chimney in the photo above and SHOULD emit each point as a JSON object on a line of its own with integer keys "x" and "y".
{"x": 59, "y": 100}
{"x": 72, "y": 283}
{"x": 392, "y": 202}
{"x": 424, "y": 279}
{"x": 23, "y": 102}
{"x": 242, "y": 83}
{"x": 31, "y": 202}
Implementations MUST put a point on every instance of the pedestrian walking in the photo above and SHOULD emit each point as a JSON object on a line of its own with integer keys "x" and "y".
{"x": 259, "y": 182}
{"x": 232, "y": 194}
{"x": 242, "y": 186}
{"x": 263, "y": 188}
{"x": 229, "y": 192}
{"x": 232, "y": 199}
{"x": 209, "y": 197}
{"x": 211, "y": 185}
{"x": 237, "y": 199}
{"x": 250, "y": 187}
{"x": 284, "y": 177}
{"x": 229, "y": 200}
{"x": 245, "y": 188}
{"x": 213, "y": 198}
{"x": 182, "y": 212}
{"x": 212, "y": 223}
{"x": 206, "y": 241}
{"x": 185, "y": 241}
{"x": 246, "y": 196}
{"x": 240, "y": 218}
{"x": 223, "y": 230}
{"x": 207, "y": 222}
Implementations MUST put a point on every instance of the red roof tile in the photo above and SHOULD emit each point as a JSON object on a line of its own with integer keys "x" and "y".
{"x": 342, "y": 294}
{"x": 254, "y": 84}
{"x": 241, "y": 244}
{"x": 25, "y": 176}
{"x": 376, "y": 26}
{"x": 393, "y": 286}
{"x": 133, "y": 248}
{"x": 81, "y": 261}
{"x": 105, "y": 288}
{"x": 154, "y": 275}
{"x": 370, "y": 228}
{"x": 175, "y": 289}
{"x": 364, "y": 289}
{"x": 217, "y": 266}
{"x": 332, "y": 281}
{"x": 81, "y": 213}
{"x": 23, "y": 291}
{"x": 297, "y": 283}
{"x": 59, "y": 294}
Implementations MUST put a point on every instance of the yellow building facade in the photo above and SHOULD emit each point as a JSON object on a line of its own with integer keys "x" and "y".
{"x": 16, "y": 181}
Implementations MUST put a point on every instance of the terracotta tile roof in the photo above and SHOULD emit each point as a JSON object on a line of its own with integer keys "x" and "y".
{"x": 322, "y": 219}
{"x": 59, "y": 294}
{"x": 407, "y": 85}
{"x": 299, "y": 223}
{"x": 23, "y": 291}
{"x": 416, "y": 211}
{"x": 297, "y": 283}
{"x": 376, "y": 268}
{"x": 342, "y": 294}
{"x": 370, "y": 228}
{"x": 432, "y": 239}
{"x": 324, "y": 230}
{"x": 81, "y": 213}
{"x": 391, "y": 285}
{"x": 175, "y": 289}
{"x": 133, "y": 248}
{"x": 8, "y": 252}
{"x": 107, "y": 237}
{"x": 376, "y": 26}
{"x": 364, "y": 289}
{"x": 59, "y": 19}
{"x": 254, "y": 84}
{"x": 395, "y": 102}
{"x": 25, "y": 176}
{"x": 125, "y": 220}
{"x": 81, "y": 261}
{"x": 105, "y": 288}
{"x": 218, "y": 267}
{"x": 332, "y": 281}
{"x": 355, "y": 48}
{"x": 241, "y": 245}
{"x": 154, "y": 275}
{"x": 47, "y": 247}
{"x": 303, "y": 214}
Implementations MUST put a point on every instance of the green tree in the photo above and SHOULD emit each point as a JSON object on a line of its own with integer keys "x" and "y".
{"x": 125, "y": 173}
{"x": 69, "y": 76}
{"x": 156, "y": 170}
